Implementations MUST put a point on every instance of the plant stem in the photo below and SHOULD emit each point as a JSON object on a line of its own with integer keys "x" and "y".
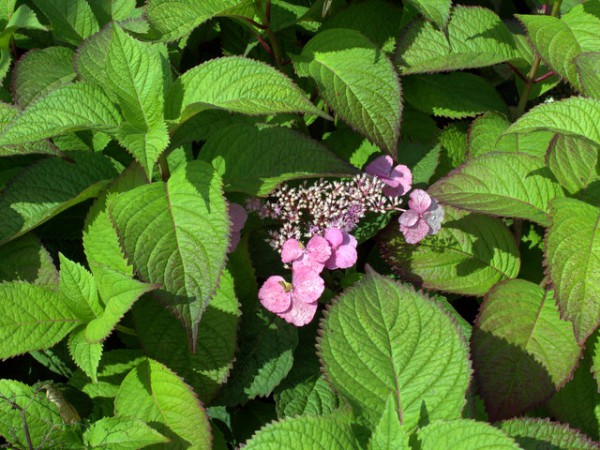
{"x": 126, "y": 330}
{"x": 535, "y": 65}
{"x": 163, "y": 166}
{"x": 275, "y": 46}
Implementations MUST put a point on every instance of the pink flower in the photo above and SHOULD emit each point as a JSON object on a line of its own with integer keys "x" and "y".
{"x": 423, "y": 218}
{"x": 314, "y": 255}
{"x": 297, "y": 302}
{"x": 343, "y": 249}
{"x": 237, "y": 216}
{"x": 398, "y": 179}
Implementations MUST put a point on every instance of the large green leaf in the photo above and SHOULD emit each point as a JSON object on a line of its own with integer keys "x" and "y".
{"x": 573, "y": 163}
{"x": 205, "y": 370}
{"x": 154, "y": 394}
{"x": 332, "y": 432}
{"x": 7, "y": 115}
{"x": 72, "y": 20}
{"x": 455, "y": 95}
{"x": 469, "y": 255}
{"x": 31, "y": 318}
{"x": 437, "y": 11}
{"x": 476, "y": 37}
{"x": 587, "y": 64}
{"x": 344, "y": 64}
{"x": 236, "y": 84}
{"x": 464, "y": 434}
{"x": 255, "y": 161}
{"x": 501, "y": 184}
{"x": 48, "y": 188}
{"x": 381, "y": 336}
{"x": 574, "y": 116}
{"x": 572, "y": 258}
{"x": 41, "y": 71}
{"x": 176, "y": 234}
{"x": 78, "y": 288}
{"x": 534, "y": 434}
{"x": 115, "y": 10}
{"x": 132, "y": 72}
{"x": 26, "y": 259}
{"x": 522, "y": 350}
{"x": 68, "y": 108}
{"x": 121, "y": 433}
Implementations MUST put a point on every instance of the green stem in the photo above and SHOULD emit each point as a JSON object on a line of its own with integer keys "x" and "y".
{"x": 275, "y": 46}
{"x": 126, "y": 330}
{"x": 531, "y": 76}
{"x": 163, "y": 166}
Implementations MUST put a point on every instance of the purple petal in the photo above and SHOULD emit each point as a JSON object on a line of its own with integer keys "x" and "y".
{"x": 300, "y": 314}
{"x": 409, "y": 218}
{"x": 234, "y": 241}
{"x": 344, "y": 257}
{"x": 318, "y": 249}
{"x": 237, "y": 215}
{"x": 349, "y": 240}
{"x": 308, "y": 285}
{"x": 334, "y": 236}
{"x": 381, "y": 166}
{"x": 292, "y": 250}
{"x": 274, "y": 296}
{"x": 419, "y": 201}
{"x": 400, "y": 181}
{"x": 415, "y": 233}
{"x": 434, "y": 216}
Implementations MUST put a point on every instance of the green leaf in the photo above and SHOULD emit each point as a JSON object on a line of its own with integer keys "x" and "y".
{"x": 78, "y": 288}
{"x": 469, "y": 255}
{"x": 23, "y": 18}
{"x": 572, "y": 260}
{"x": 41, "y": 71}
{"x": 310, "y": 397}
{"x": 177, "y": 234}
{"x": 502, "y": 184}
{"x": 121, "y": 433}
{"x": 43, "y": 421}
{"x": 68, "y": 108}
{"x": 26, "y": 259}
{"x": 332, "y": 432}
{"x": 255, "y": 161}
{"x": 389, "y": 432}
{"x": 456, "y": 95}
{"x": 154, "y": 394}
{"x": 573, "y": 162}
{"x": 162, "y": 336}
{"x": 7, "y": 114}
{"x": 344, "y": 64}
{"x": 72, "y": 20}
{"x": 464, "y": 434}
{"x": 437, "y": 11}
{"x": 250, "y": 87}
{"x": 378, "y": 336}
{"x": 476, "y": 37}
{"x": 522, "y": 350}
{"x": 533, "y": 434}
{"x": 50, "y": 187}
{"x": 131, "y": 71}
{"x": 32, "y": 318}
{"x": 574, "y": 116}
{"x": 594, "y": 344}
{"x": 115, "y": 10}
{"x": 587, "y": 64}
{"x": 484, "y": 133}
{"x": 172, "y": 21}
{"x": 584, "y": 21}
{"x": 86, "y": 356}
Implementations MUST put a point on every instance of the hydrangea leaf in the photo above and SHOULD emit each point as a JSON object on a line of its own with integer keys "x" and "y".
{"x": 437, "y": 11}
{"x": 476, "y": 37}
{"x": 572, "y": 258}
{"x": 574, "y": 116}
{"x": 333, "y": 432}
{"x": 501, "y": 184}
{"x": 584, "y": 21}
{"x": 78, "y": 288}
{"x": 154, "y": 394}
{"x": 171, "y": 21}
{"x": 7, "y": 115}
{"x": 456, "y": 95}
{"x": 50, "y": 187}
{"x": 121, "y": 433}
{"x": 373, "y": 343}
{"x": 26, "y": 259}
{"x": 469, "y": 255}
{"x": 522, "y": 350}
{"x": 464, "y": 434}
{"x": 68, "y": 108}
{"x": 161, "y": 336}
{"x": 573, "y": 162}
{"x": 72, "y": 20}
{"x": 41, "y": 71}
{"x": 32, "y": 318}
{"x": 86, "y": 356}
{"x": 344, "y": 63}
{"x": 250, "y": 87}
{"x": 43, "y": 420}
{"x": 587, "y": 64}
{"x": 116, "y": 10}
{"x": 532, "y": 434}
{"x": 594, "y": 343}
{"x": 176, "y": 234}
{"x": 255, "y": 161}
{"x": 132, "y": 72}
{"x": 389, "y": 432}
{"x": 23, "y": 18}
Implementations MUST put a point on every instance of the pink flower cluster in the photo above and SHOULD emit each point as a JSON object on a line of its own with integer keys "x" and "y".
{"x": 296, "y": 302}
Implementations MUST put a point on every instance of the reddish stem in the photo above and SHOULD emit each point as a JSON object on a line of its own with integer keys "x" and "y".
{"x": 518, "y": 72}
{"x": 544, "y": 77}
